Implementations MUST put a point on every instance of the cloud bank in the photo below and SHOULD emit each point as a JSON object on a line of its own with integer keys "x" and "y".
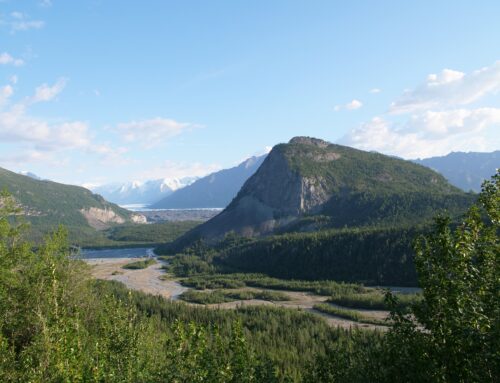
{"x": 433, "y": 119}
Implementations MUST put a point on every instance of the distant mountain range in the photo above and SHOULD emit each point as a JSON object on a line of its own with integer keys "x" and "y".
{"x": 144, "y": 193}
{"x": 465, "y": 170}
{"x": 309, "y": 178}
{"x": 213, "y": 191}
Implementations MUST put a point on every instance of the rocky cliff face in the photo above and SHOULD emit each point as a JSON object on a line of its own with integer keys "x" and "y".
{"x": 101, "y": 218}
{"x": 274, "y": 196}
{"x": 283, "y": 189}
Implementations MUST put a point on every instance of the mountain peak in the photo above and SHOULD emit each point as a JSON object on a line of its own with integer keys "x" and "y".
{"x": 303, "y": 140}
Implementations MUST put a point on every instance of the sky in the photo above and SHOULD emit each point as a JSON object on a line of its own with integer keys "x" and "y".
{"x": 93, "y": 92}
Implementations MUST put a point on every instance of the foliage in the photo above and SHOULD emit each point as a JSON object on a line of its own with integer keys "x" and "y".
{"x": 221, "y": 296}
{"x": 373, "y": 300}
{"x": 288, "y": 339}
{"x": 55, "y": 326}
{"x": 237, "y": 280}
{"x": 452, "y": 334}
{"x": 353, "y": 315}
{"x": 152, "y": 233}
{"x": 140, "y": 264}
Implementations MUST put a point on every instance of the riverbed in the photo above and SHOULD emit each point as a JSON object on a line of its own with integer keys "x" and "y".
{"x": 108, "y": 264}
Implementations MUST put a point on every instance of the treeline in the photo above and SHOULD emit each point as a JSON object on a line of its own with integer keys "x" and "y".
{"x": 369, "y": 256}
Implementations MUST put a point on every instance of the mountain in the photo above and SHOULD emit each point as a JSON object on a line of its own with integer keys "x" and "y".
{"x": 142, "y": 192}
{"x": 465, "y": 170}
{"x": 47, "y": 204}
{"x": 213, "y": 191}
{"x": 30, "y": 174}
{"x": 310, "y": 183}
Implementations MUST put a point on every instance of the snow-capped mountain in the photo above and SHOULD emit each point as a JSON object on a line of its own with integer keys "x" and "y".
{"x": 137, "y": 192}
{"x": 30, "y": 174}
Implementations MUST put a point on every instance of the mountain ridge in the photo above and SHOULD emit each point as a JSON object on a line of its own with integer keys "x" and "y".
{"x": 47, "y": 204}
{"x": 465, "y": 170}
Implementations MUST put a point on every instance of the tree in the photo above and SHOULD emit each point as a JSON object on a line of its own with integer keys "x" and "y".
{"x": 452, "y": 335}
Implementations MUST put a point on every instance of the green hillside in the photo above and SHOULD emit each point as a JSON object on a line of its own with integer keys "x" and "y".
{"x": 47, "y": 204}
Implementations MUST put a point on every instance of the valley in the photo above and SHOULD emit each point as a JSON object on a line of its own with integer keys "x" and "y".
{"x": 109, "y": 265}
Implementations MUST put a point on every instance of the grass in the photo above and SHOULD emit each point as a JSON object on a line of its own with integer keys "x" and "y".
{"x": 353, "y": 315}
{"x": 374, "y": 300}
{"x": 221, "y": 296}
{"x": 211, "y": 297}
{"x": 140, "y": 264}
{"x": 343, "y": 294}
{"x": 238, "y": 280}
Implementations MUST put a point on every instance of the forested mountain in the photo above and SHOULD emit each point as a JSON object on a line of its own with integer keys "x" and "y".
{"x": 465, "y": 170}
{"x": 46, "y": 204}
{"x": 310, "y": 182}
{"x": 213, "y": 191}
{"x": 145, "y": 193}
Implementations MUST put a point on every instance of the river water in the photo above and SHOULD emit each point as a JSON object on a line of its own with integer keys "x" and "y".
{"x": 138, "y": 252}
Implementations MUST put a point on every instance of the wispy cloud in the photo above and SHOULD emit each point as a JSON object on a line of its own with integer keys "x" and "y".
{"x": 18, "y": 21}
{"x": 7, "y": 59}
{"x": 448, "y": 89}
{"x": 45, "y": 3}
{"x": 429, "y": 134}
{"x": 152, "y": 132}
{"x": 354, "y": 104}
{"x": 174, "y": 169}
{"x": 36, "y": 135}
{"x": 45, "y": 92}
{"x": 375, "y": 90}
{"x": 432, "y": 120}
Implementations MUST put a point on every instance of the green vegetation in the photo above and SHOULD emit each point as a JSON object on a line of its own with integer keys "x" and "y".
{"x": 452, "y": 334}
{"x": 373, "y": 300}
{"x": 57, "y": 325}
{"x": 208, "y": 298}
{"x": 137, "y": 265}
{"x": 238, "y": 280}
{"x": 372, "y": 256}
{"x": 151, "y": 233}
{"x": 353, "y": 315}
{"x": 221, "y": 296}
{"x": 45, "y": 205}
{"x": 289, "y": 340}
{"x": 344, "y": 294}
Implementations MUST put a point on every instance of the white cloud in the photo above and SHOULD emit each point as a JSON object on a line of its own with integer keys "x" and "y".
{"x": 45, "y": 3}
{"x": 13, "y": 79}
{"x": 152, "y": 132}
{"x": 430, "y": 133}
{"x": 354, "y": 104}
{"x": 17, "y": 126}
{"x": 6, "y": 58}
{"x": 46, "y": 92}
{"x": 449, "y": 88}
{"x": 375, "y": 90}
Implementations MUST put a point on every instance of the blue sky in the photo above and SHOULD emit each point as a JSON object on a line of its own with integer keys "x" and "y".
{"x": 93, "y": 91}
